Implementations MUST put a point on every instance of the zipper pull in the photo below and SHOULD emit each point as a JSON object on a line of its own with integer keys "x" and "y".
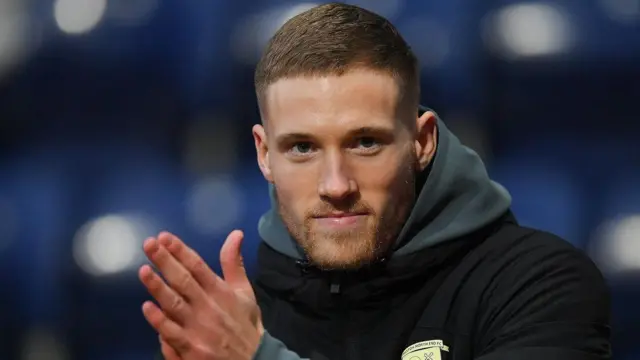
{"x": 334, "y": 288}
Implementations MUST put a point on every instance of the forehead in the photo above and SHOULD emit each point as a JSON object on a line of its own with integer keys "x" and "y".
{"x": 332, "y": 103}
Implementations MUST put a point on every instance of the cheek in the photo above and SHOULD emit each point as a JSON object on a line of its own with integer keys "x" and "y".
{"x": 380, "y": 185}
{"x": 296, "y": 189}
{"x": 382, "y": 173}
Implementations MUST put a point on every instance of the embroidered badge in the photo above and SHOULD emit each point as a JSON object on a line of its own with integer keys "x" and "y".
{"x": 425, "y": 350}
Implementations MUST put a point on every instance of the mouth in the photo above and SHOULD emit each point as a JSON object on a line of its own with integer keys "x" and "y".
{"x": 340, "y": 219}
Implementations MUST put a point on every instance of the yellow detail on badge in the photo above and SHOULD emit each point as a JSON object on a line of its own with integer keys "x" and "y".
{"x": 425, "y": 350}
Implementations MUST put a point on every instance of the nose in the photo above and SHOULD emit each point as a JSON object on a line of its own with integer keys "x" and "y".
{"x": 335, "y": 181}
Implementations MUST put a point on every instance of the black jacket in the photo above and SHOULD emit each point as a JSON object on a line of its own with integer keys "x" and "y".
{"x": 464, "y": 281}
{"x": 503, "y": 292}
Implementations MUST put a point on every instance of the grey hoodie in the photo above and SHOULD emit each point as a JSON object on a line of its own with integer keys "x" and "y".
{"x": 456, "y": 198}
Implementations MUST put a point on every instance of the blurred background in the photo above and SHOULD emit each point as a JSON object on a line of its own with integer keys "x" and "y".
{"x": 120, "y": 118}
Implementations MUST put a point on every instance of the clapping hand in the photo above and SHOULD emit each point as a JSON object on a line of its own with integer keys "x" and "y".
{"x": 200, "y": 315}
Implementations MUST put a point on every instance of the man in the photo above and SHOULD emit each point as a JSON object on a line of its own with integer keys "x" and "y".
{"x": 386, "y": 240}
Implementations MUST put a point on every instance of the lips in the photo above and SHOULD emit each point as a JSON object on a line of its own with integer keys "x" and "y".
{"x": 339, "y": 215}
{"x": 340, "y": 219}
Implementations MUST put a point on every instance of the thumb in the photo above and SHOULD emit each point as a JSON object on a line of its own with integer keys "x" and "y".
{"x": 232, "y": 263}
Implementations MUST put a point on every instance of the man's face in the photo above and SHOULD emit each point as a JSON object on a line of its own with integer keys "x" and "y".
{"x": 342, "y": 153}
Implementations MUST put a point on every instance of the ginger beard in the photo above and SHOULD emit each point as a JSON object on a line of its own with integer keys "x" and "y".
{"x": 370, "y": 240}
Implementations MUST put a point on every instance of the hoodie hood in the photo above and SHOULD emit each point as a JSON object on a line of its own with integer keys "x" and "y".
{"x": 456, "y": 197}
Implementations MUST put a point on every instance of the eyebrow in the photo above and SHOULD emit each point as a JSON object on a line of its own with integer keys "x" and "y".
{"x": 382, "y": 131}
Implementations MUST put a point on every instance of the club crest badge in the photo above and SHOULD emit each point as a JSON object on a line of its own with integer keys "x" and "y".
{"x": 425, "y": 350}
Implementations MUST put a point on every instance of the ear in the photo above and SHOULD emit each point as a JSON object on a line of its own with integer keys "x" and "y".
{"x": 262, "y": 151}
{"x": 426, "y": 138}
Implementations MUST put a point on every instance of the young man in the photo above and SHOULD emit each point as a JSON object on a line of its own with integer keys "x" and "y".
{"x": 387, "y": 239}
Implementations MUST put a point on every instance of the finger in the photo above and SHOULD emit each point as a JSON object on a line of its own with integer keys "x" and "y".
{"x": 168, "y": 353}
{"x": 232, "y": 263}
{"x": 171, "y": 332}
{"x": 222, "y": 293}
{"x": 190, "y": 259}
{"x": 173, "y": 271}
{"x": 168, "y": 299}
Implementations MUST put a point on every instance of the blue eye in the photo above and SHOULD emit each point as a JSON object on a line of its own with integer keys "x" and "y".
{"x": 368, "y": 142}
{"x": 368, "y": 145}
{"x": 302, "y": 148}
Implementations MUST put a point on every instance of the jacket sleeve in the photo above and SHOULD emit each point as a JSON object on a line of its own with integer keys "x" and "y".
{"x": 547, "y": 303}
{"x": 273, "y": 349}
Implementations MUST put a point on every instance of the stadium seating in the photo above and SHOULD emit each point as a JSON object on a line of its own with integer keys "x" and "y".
{"x": 135, "y": 197}
{"x": 545, "y": 195}
{"x": 616, "y": 247}
{"x": 35, "y": 200}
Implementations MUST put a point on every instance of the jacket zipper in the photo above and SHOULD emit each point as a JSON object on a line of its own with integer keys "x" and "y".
{"x": 335, "y": 288}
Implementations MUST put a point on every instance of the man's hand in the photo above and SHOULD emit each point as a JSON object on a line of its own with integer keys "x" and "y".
{"x": 201, "y": 316}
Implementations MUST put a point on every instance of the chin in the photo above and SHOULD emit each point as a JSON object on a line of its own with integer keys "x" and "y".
{"x": 339, "y": 257}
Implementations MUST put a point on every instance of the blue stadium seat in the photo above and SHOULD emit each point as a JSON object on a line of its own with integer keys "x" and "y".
{"x": 107, "y": 307}
{"x": 35, "y": 198}
{"x": 622, "y": 195}
{"x": 226, "y": 202}
{"x": 443, "y": 36}
{"x": 544, "y": 196}
{"x": 621, "y": 206}
{"x": 151, "y": 186}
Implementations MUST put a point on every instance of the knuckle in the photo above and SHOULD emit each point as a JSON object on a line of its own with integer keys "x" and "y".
{"x": 154, "y": 284}
{"x": 177, "y": 304}
{"x": 178, "y": 250}
{"x": 206, "y": 351}
{"x": 199, "y": 265}
{"x": 183, "y": 345}
{"x": 196, "y": 263}
{"x": 160, "y": 256}
{"x": 213, "y": 351}
{"x": 213, "y": 318}
{"x": 185, "y": 281}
